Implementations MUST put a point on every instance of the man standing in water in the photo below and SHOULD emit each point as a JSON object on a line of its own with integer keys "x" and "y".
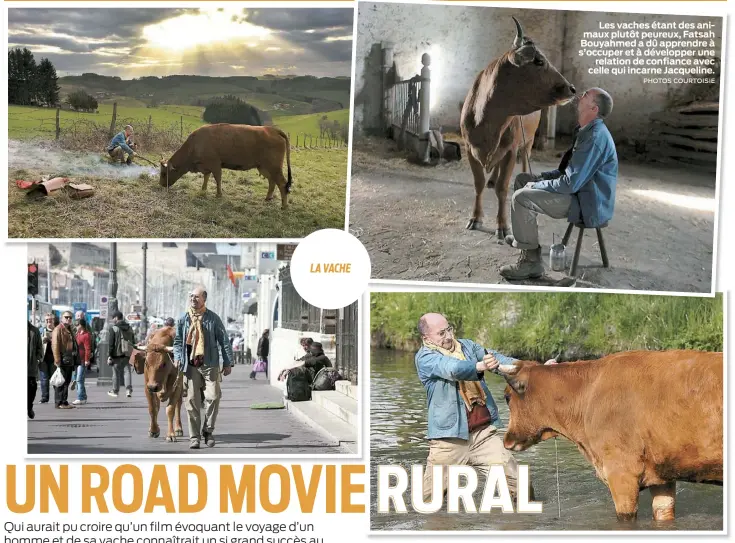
{"x": 200, "y": 336}
{"x": 463, "y": 417}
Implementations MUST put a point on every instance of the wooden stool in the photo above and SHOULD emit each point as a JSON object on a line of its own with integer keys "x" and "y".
{"x": 578, "y": 249}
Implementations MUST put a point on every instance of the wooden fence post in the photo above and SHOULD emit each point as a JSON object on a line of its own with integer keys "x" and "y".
{"x": 181, "y": 136}
{"x": 297, "y": 141}
{"x": 150, "y": 118}
{"x": 58, "y": 128}
{"x": 114, "y": 119}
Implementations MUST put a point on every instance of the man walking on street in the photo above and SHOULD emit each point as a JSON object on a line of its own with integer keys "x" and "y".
{"x": 47, "y": 363}
{"x": 200, "y": 336}
{"x": 122, "y": 342}
{"x": 35, "y": 354}
{"x": 66, "y": 357}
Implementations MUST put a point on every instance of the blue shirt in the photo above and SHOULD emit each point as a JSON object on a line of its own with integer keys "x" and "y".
{"x": 440, "y": 375}
{"x": 215, "y": 336}
{"x": 591, "y": 175}
{"x": 120, "y": 141}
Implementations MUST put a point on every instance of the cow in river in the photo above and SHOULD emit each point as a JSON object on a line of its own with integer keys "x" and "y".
{"x": 500, "y": 115}
{"x": 643, "y": 419}
{"x": 214, "y": 147}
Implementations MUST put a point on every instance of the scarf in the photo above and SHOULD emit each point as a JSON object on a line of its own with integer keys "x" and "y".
{"x": 195, "y": 337}
{"x": 471, "y": 391}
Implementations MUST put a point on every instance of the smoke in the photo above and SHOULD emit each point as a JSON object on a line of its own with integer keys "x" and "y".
{"x": 57, "y": 162}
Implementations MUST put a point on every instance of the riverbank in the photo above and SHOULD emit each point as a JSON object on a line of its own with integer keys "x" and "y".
{"x": 570, "y": 326}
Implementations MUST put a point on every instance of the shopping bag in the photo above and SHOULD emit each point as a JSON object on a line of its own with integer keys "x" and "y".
{"x": 259, "y": 366}
{"x": 57, "y": 379}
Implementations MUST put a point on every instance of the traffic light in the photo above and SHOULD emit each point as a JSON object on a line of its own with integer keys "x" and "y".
{"x": 33, "y": 279}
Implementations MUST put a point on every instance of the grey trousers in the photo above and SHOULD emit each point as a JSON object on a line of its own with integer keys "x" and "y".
{"x": 207, "y": 378}
{"x": 121, "y": 375}
{"x": 526, "y": 204}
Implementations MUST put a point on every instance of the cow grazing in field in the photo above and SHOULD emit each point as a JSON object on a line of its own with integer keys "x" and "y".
{"x": 213, "y": 147}
{"x": 163, "y": 383}
{"x": 643, "y": 419}
{"x": 515, "y": 86}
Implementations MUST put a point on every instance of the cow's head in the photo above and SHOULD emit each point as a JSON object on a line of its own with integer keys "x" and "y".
{"x": 169, "y": 174}
{"x": 526, "y": 408}
{"x": 534, "y": 82}
{"x": 159, "y": 367}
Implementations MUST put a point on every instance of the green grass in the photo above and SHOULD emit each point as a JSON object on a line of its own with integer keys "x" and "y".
{"x": 309, "y": 124}
{"x": 140, "y": 208}
{"x": 538, "y": 325}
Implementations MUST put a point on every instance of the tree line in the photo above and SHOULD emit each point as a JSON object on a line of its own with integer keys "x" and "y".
{"x": 234, "y": 110}
{"x": 36, "y": 84}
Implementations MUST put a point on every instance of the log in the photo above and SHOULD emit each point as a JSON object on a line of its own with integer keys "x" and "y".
{"x": 710, "y": 158}
{"x": 698, "y": 107}
{"x": 681, "y": 121}
{"x": 696, "y": 133}
{"x": 700, "y": 145}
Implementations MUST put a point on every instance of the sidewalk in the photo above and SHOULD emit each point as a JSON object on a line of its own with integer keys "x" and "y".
{"x": 120, "y": 425}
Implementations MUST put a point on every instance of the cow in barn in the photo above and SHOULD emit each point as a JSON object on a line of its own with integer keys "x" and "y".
{"x": 213, "y": 147}
{"x": 500, "y": 116}
{"x": 643, "y": 419}
{"x": 163, "y": 382}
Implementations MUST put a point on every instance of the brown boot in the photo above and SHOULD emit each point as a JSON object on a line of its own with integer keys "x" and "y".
{"x": 529, "y": 266}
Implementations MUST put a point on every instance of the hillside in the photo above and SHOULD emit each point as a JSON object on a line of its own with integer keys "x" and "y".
{"x": 281, "y": 96}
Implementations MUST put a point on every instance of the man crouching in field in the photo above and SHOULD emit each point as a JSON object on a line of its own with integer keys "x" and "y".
{"x": 120, "y": 145}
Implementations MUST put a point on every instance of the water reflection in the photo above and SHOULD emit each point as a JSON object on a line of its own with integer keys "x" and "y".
{"x": 397, "y": 436}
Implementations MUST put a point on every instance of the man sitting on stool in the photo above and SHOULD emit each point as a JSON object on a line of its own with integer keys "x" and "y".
{"x": 582, "y": 190}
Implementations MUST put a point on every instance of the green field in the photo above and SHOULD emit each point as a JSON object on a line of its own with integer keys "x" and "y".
{"x": 309, "y": 124}
{"x": 39, "y": 123}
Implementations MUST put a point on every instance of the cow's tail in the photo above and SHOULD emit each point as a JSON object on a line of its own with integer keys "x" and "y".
{"x": 288, "y": 159}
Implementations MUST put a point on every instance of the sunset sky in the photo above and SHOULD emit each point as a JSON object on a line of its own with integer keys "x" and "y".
{"x": 135, "y": 42}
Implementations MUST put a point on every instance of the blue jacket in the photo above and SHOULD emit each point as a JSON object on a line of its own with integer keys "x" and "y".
{"x": 440, "y": 375}
{"x": 591, "y": 174}
{"x": 120, "y": 141}
{"x": 214, "y": 335}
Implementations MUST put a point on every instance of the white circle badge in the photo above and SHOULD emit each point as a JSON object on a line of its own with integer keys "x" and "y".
{"x": 330, "y": 268}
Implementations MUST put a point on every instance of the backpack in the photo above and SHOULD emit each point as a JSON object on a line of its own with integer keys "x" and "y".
{"x": 325, "y": 379}
{"x": 298, "y": 385}
{"x": 127, "y": 343}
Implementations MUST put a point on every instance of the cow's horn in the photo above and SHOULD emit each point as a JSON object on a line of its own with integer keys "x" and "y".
{"x": 507, "y": 369}
{"x": 169, "y": 349}
{"x": 519, "y": 34}
{"x": 142, "y": 347}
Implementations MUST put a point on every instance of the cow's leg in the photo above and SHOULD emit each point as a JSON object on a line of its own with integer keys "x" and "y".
{"x": 664, "y": 498}
{"x": 271, "y": 183}
{"x": 280, "y": 180}
{"x": 170, "y": 414}
{"x": 217, "y": 173}
{"x": 624, "y": 489}
{"x": 153, "y": 405}
{"x": 478, "y": 173}
{"x": 179, "y": 428}
{"x": 206, "y": 180}
{"x": 505, "y": 169}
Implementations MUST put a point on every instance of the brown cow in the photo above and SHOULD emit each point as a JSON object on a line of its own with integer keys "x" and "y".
{"x": 643, "y": 419}
{"x": 518, "y": 84}
{"x": 163, "y": 382}
{"x": 213, "y": 147}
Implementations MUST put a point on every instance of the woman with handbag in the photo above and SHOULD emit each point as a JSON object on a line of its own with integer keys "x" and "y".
{"x": 262, "y": 354}
{"x": 84, "y": 342}
{"x": 66, "y": 358}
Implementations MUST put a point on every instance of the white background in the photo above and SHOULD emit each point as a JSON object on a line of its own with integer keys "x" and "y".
{"x": 333, "y": 527}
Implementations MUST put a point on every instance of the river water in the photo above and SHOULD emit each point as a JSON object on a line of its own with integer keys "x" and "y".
{"x": 397, "y": 437}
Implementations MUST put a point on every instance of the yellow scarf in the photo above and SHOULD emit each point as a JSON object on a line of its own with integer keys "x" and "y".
{"x": 471, "y": 391}
{"x": 195, "y": 337}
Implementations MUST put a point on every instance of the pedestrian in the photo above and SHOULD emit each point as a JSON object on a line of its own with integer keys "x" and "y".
{"x": 120, "y": 145}
{"x": 35, "y": 355}
{"x": 200, "y": 336}
{"x": 47, "y": 362}
{"x": 262, "y": 354}
{"x": 121, "y": 344}
{"x": 84, "y": 341}
{"x": 582, "y": 190}
{"x": 463, "y": 417}
{"x": 66, "y": 358}
{"x": 248, "y": 355}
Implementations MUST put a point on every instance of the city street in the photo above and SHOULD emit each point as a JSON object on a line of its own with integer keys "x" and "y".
{"x": 119, "y": 425}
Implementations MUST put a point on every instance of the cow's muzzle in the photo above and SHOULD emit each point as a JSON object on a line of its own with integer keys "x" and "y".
{"x": 154, "y": 388}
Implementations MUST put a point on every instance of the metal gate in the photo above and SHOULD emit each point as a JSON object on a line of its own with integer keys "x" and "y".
{"x": 405, "y": 107}
{"x": 347, "y": 343}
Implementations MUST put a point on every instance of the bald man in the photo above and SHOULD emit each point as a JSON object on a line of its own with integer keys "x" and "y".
{"x": 200, "y": 336}
{"x": 463, "y": 417}
{"x": 582, "y": 189}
